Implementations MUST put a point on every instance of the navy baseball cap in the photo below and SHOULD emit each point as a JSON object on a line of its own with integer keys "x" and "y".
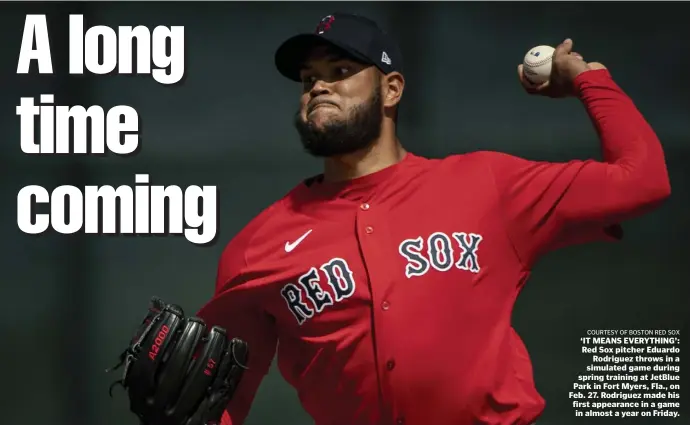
{"x": 359, "y": 37}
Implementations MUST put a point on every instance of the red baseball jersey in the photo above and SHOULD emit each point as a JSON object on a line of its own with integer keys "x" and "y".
{"x": 388, "y": 298}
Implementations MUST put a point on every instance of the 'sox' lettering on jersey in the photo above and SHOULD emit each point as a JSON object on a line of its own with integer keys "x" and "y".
{"x": 440, "y": 253}
{"x": 308, "y": 296}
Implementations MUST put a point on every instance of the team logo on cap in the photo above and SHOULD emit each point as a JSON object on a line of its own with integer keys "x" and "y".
{"x": 325, "y": 24}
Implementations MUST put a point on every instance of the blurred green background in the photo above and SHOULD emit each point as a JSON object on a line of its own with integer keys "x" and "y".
{"x": 71, "y": 302}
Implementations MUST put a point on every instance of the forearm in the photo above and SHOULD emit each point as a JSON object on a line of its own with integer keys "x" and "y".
{"x": 636, "y": 172}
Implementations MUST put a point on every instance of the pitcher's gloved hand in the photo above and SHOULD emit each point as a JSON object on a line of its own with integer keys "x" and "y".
{"x": 178, "y": 372}
{"x": 566, "y": 65}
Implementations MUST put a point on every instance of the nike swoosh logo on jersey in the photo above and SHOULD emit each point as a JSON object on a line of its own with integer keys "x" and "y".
{"x": 289, "y": 246}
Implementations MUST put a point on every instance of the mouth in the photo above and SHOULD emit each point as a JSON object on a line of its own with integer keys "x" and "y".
{"x": 321, "y": 105}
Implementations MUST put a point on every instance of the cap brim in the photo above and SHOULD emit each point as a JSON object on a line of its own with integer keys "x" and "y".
{"x": 290, "y": 56}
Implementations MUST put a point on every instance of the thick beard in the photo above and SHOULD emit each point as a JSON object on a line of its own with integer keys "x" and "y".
{"x": 340, "y": 137}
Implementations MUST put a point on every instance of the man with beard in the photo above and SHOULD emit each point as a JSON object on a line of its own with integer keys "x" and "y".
{"x": 386, "y": 284}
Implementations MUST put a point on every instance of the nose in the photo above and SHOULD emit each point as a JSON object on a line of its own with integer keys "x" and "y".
{"x": 319, "y": 88}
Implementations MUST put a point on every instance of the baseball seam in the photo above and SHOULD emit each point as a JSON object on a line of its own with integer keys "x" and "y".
{"x": 530, "y": 80}
{"x": 540, "y": 63}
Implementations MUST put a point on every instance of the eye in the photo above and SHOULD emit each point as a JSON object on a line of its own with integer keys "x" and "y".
{"x": 343, "y": 70}
{"x": 306, "y": 79}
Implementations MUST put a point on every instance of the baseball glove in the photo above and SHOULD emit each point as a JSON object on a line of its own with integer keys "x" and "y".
{"x": 176, "y": 372}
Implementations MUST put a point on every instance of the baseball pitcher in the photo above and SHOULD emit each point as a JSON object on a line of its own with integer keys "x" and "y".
{"x": 385, "y": 285}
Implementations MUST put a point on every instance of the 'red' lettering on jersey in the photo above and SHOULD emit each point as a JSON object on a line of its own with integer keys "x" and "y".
{"x": 391, "y": 294}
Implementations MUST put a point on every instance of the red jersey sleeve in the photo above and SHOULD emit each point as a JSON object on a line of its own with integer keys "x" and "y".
{"x": 551, "y": 205}
{"x": 234, "y": 308}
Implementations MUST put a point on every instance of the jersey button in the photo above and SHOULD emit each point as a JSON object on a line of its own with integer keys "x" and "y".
{"x": 385, "y": 305}
{"x": 369, "y": 229}
{"x": 400, "y": 420}
{"x": 390, "y": 364}
{"x": 364, "y": 206}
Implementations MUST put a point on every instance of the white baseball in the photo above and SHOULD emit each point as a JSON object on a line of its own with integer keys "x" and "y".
{"x": 536, "y": 66}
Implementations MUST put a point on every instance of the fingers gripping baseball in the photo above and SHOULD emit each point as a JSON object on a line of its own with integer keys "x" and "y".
{"x": 564, "y": 48}
{"x": 551, "y": 71}
{"x": 564, "y": 53}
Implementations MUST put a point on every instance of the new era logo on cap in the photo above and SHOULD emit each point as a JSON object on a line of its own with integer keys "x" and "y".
{"x": 385, "y": 59}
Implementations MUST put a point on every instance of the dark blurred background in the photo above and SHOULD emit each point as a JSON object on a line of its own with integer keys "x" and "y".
{"x": 69, "y": 303}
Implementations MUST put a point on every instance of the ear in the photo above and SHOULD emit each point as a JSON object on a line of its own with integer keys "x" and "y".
{"x": 394, "y": 84}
